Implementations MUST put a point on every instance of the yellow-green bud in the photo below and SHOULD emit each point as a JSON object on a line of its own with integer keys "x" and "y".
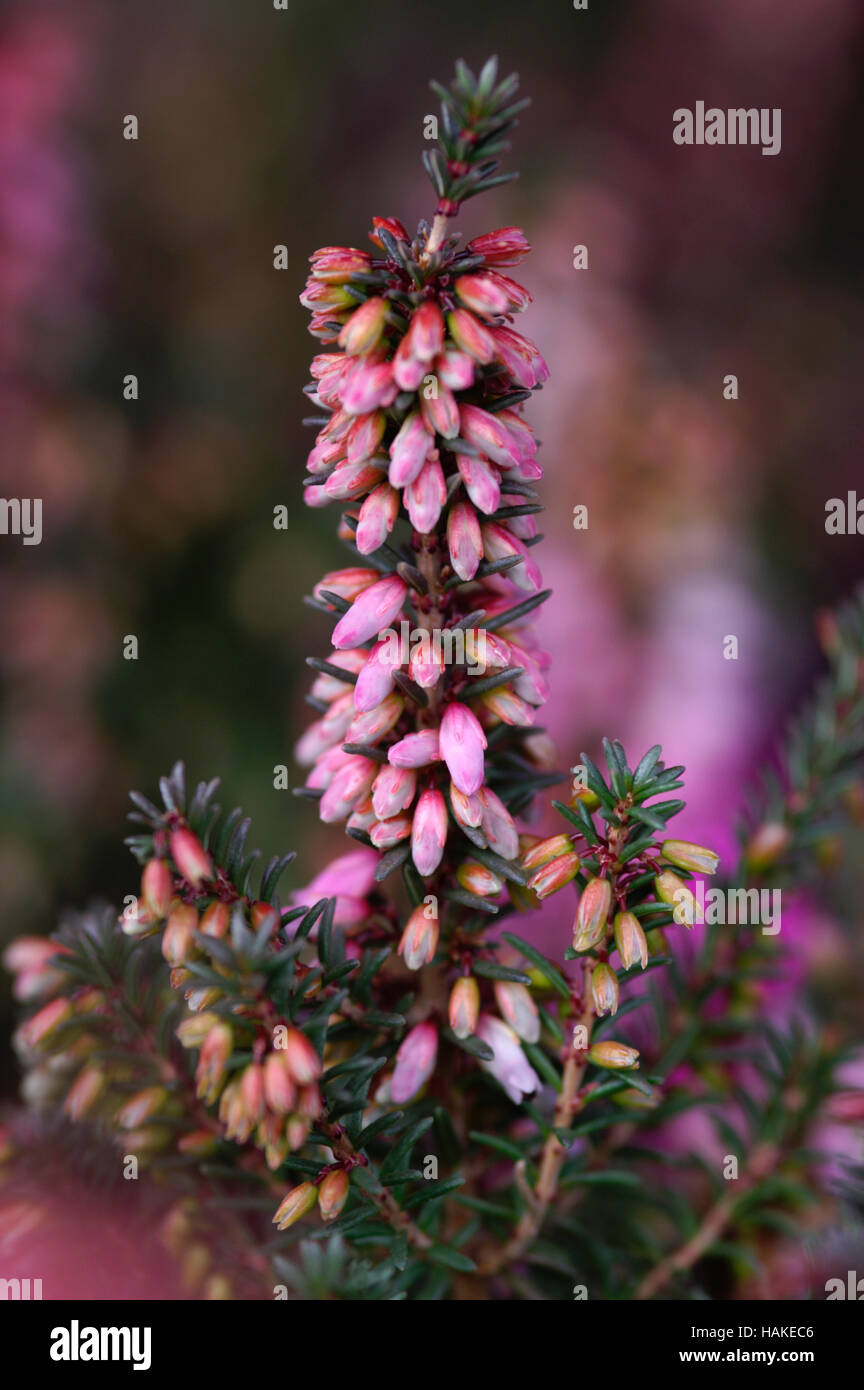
{"x": 684, "y": 855}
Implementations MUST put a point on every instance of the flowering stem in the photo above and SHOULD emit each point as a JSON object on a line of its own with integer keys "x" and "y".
{"x": 388, "y": 1207}
{"x": 436, "y": 236}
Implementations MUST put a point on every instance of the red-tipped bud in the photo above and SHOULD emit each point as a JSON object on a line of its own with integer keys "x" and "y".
{"x": 191, "y": 858}
{"x": 157, "y": 887}
{"x": 543, "y": 851}
{"x": 141, "y": 1107}
{"x": 364, "y": 329}
{"x": 476, "y": 878}
{"x": 303, "y": 1060}
{"x": 554, "y": 875}
{"x": 215, "y": 920}
{"x": 419, "y": 939}
{"x": 280, "y": 1091}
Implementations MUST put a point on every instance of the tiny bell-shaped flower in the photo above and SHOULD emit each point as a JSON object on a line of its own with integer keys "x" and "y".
{"x": 464, "y": 1006}
{"x": 604, "y": 989}
{"x": 631, "y": 940}
{"x": 592, "y": 914}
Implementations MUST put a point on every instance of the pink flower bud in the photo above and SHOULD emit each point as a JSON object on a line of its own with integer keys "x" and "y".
{"x": 464, "y": 540}
{"x": 509, "y": 1066}
{"x": 364, "y": 329}
{"x": 482, "y": 482}
{"x": 415, "y": 1062}
{"x": 552, "y": 876}
{"x": 426, "y": 664}
{"x": 429, "y": 832}
{"x": 409, "y": 450}
{"x": 373, "y": 724}
{"x": 177, "y": 938}
{"x": 337, "y": 263}
{"x": 386, "y": 834}
{"x": 464, "y": 1006}
{"x": 280, "y": 1091}
{"x": 499, "y": 543}
{"x": 350, "y": 784}
{"x": 441, "y": 413}
{"x": 592, "y": 914}
{"x": 364, "y": 435}
{"x": 190, "y": 857}
{"x": 455, "y": 369}
{"x": 408, "y": 370}
{"x": 488, "y": 434}
{"x": 40, "y": 1027}
{"x": 518, "y": 1009}
{"x": 415, "y": 750}
{"x": 348, "y": 481}
{"x": 425, "y": 495}
{"x": 497, "y": 825}
{"x": 377, "y": 518}
{"x": 506, "y": 705}
{"x": 157, "y": 887}
{"x": 375, "y": 681}
{"x": 303, "y": 1061}
{"x": 506, "y": 246}
{"x": 470, "y": 336}
{"x": 369, "y": 386}
{"x": 426, "y": 331}
{"x": 347, "y": 583}
{"x": 419, "y": 939}
{"x": 468, "y": 810}
{"x": 391, "y": 225}
{"x": 480, "y": 293}
{"x": 523, "y": 362}
{"x": 393, "y": 791}
{"x": 375, "y": 609}
{"x": 462, "y": 741}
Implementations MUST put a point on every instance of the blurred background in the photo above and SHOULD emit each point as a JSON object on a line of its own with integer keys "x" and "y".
{"x": 154, "y": 257}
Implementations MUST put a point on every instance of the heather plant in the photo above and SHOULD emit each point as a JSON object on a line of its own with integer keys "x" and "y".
{"x": 384, "y": 1089}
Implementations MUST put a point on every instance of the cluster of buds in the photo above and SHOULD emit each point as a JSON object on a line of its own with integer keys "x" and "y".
{"x": 271, "y": 1101}
{"x": 607, "y": 920}
{"x": 424, "y": 425}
